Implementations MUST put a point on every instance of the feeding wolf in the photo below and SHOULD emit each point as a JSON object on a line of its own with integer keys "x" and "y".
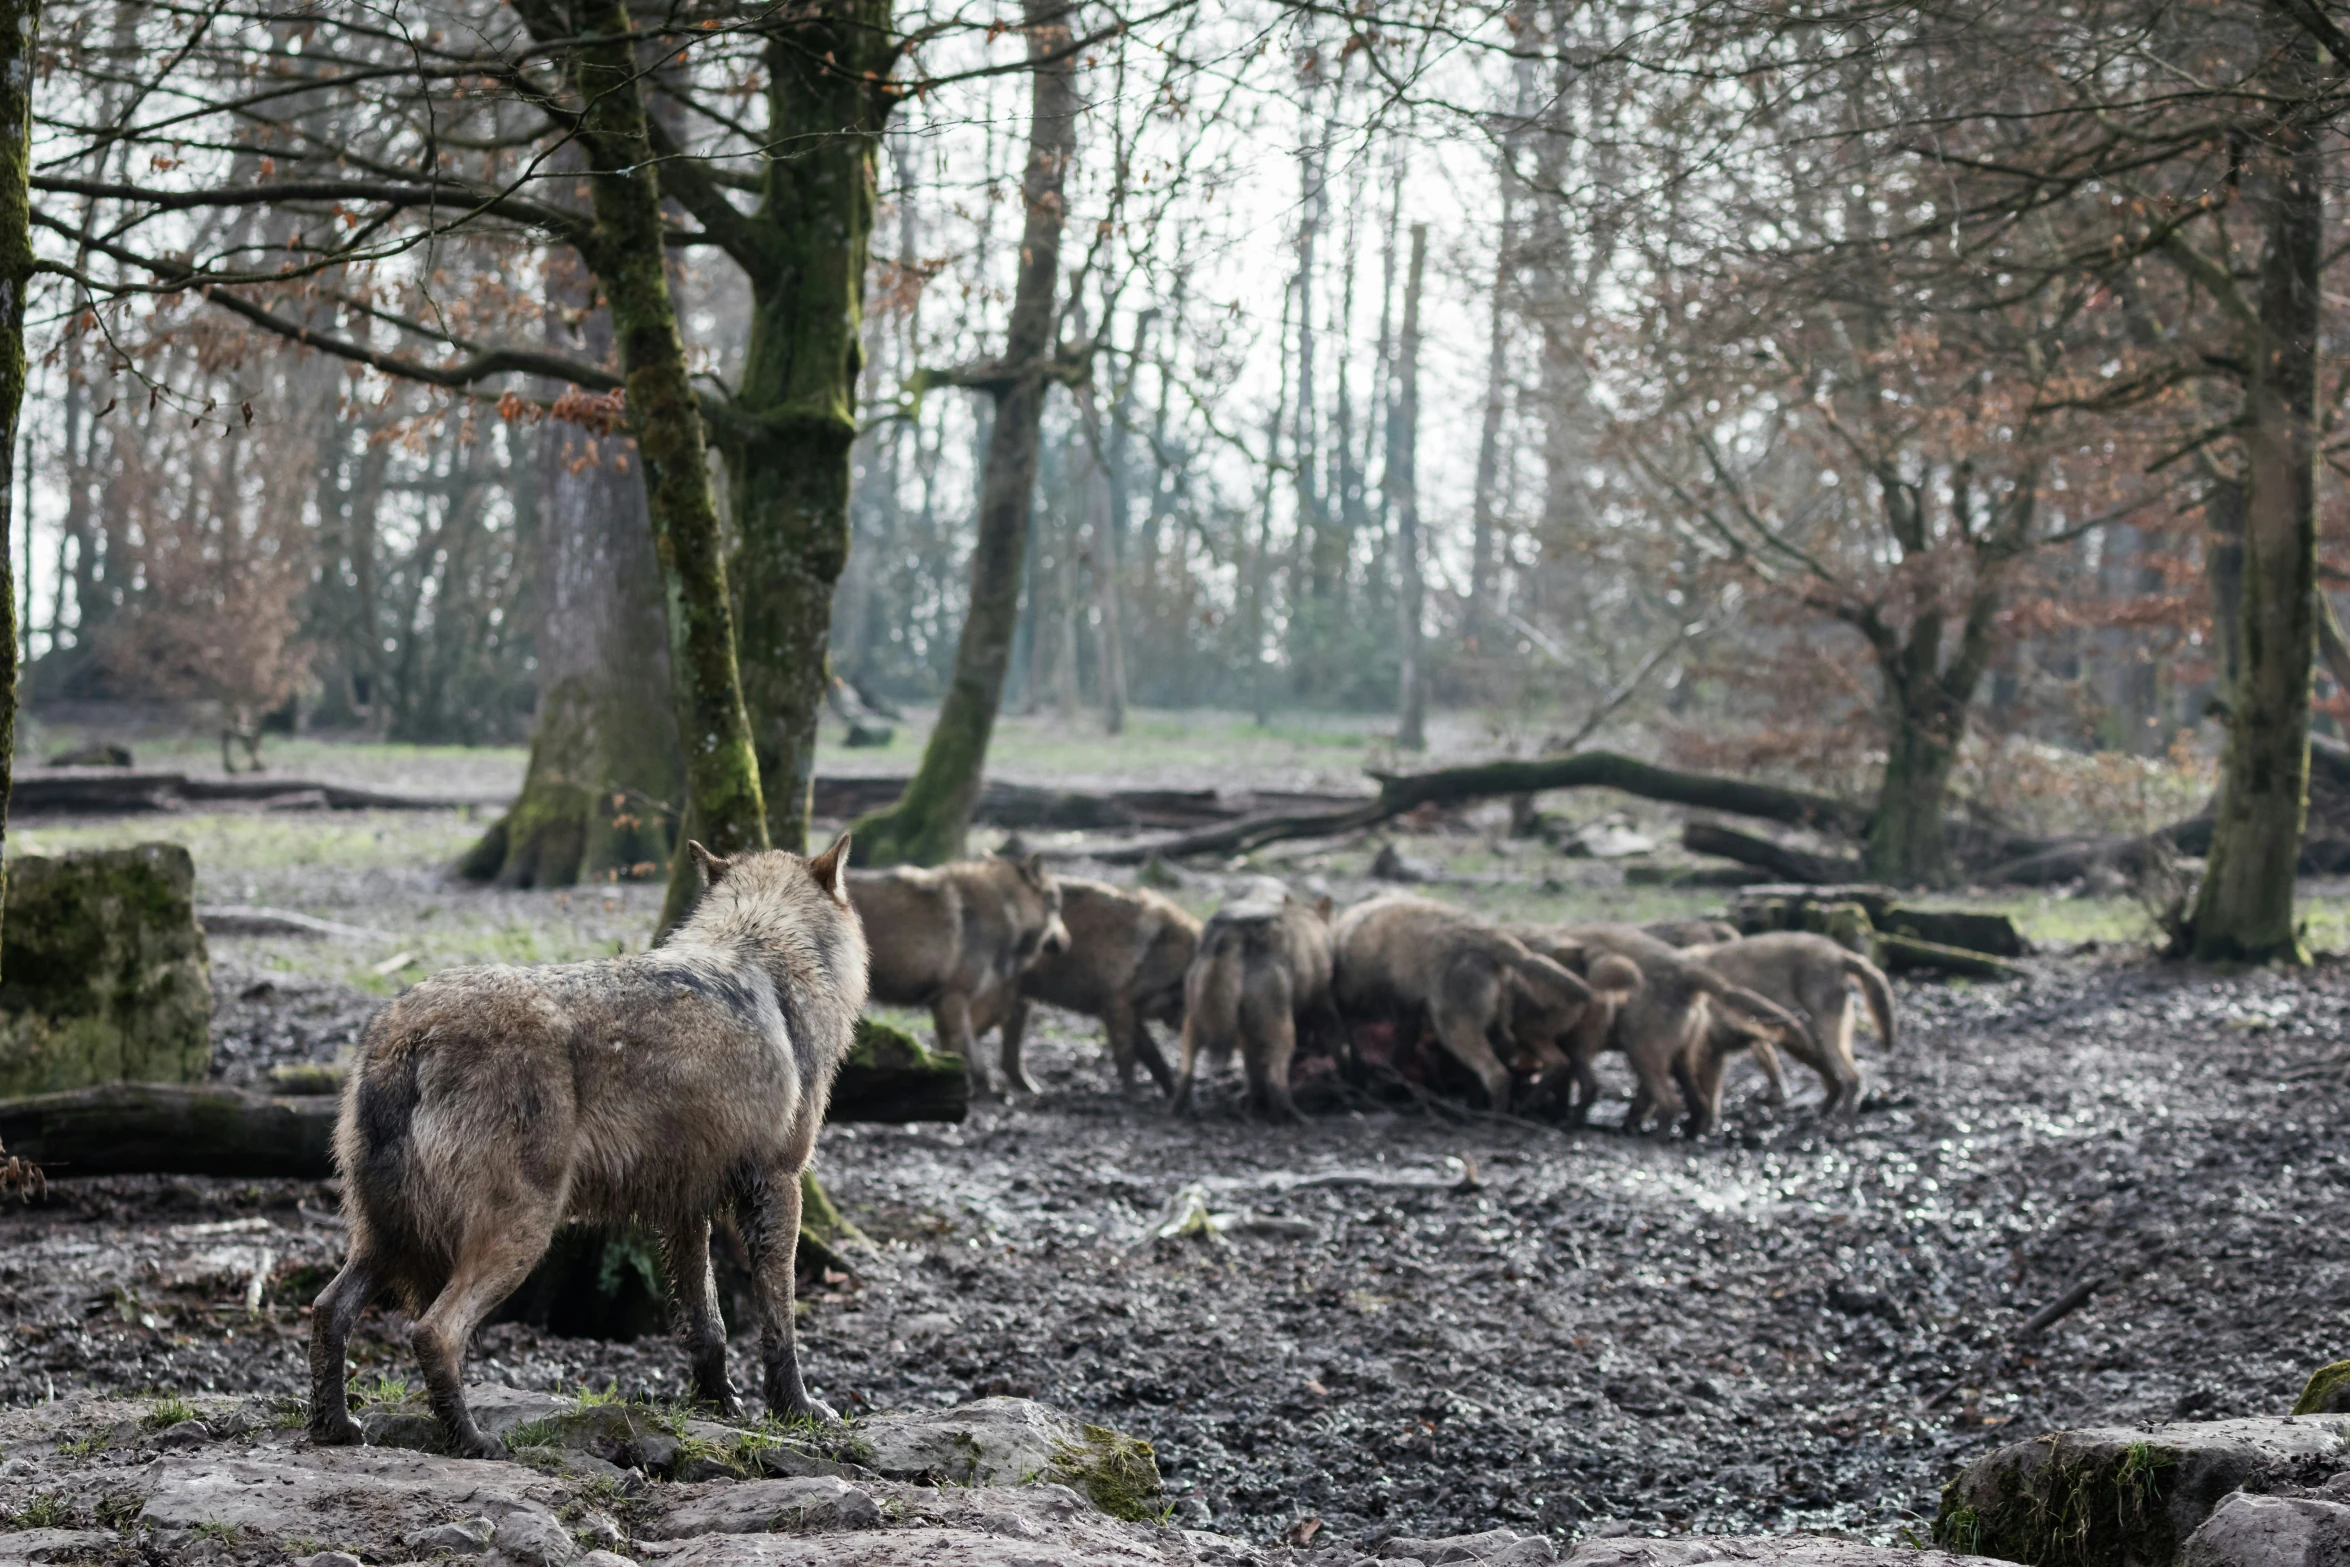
{"x": 1264, "y": 963}
{"x": 956, "y": 938}
{"x": 488, "y": 1105}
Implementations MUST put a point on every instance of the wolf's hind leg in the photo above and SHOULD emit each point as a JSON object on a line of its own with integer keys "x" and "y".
{"x": 770, "y": 1218}
{"x": 1015, "y": 1031}
{"x": 693, "y": 1306}
{"x": 493, "y": 1263}
{"x": 332, "y": 1317}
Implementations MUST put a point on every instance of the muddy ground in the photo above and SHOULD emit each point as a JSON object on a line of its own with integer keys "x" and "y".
{"x": 1607, "y": 1333}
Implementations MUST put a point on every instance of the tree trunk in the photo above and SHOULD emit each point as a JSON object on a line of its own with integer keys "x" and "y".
{"x": 601, "y": 796}
{"x": 722, "y": 772}
{"x": 1483, "y": 536}
{"x": 788, "y": 466}
{"x": 1907, "y": 843}
{"x": 2244, "y": 908}
{"x": 20, "y": 28}
{"x": 1403, "y": 436}
{"x": 929, "y": 823}
{"x": 2223, "y": 575}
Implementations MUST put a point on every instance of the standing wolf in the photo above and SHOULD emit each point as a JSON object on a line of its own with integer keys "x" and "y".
{"x": 1263, "y": 964}
{"x": 1810, "y": 974}
{"x": 490, "y": 1104}
{"x": 956, "y": 939}
{"x": 1128, "y": 951}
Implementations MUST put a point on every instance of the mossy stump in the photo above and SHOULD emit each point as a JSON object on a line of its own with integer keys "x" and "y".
{"x": 106, "y": 979}
{"x": 2328, "y": 1391}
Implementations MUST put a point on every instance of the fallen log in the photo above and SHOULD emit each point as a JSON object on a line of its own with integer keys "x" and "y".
{"x": 1756, "y": 910}
{"x": 112, "y": 791}
{"x": 1402, "y": 792}
{"x": 1905, "y": 954}
{"x": 1797, "y": 865}
{"x": 215, "y": 1129}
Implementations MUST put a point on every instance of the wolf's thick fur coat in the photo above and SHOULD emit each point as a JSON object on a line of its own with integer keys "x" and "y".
{"x": 1264, "y": 964}
{"x": 1474, "y": 982}
{"x": 1129, "y": 949}
{"x": 1811, "y": 975}
{"x": 956, "y": 938}
{"x": 489, "y": 1105}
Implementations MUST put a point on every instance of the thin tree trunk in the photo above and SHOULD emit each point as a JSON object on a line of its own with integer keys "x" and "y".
{"x": 20, "y": 28}
{"x": 1403, "y": 439}
{"x": 722, "y": 771}
{"x": 1483, "y": 536}
{"x": 1260, "y": 562}
{"x": 788, "y": 459}
{"x": 2244, "y": 909}
{"x": 930, "y": 821}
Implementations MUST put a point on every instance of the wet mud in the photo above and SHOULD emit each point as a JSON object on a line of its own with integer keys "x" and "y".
{"x": 1406, "y": 1323}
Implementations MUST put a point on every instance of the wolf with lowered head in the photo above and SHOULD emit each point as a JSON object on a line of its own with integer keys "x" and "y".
{"x": 1263, "y": 967}
{"x": 956, "y": 939}
{"x": 488, "y": 1105}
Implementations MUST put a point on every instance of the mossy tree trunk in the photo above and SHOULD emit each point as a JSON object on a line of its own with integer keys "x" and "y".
{"x": 20, "y": 29}
{"x": 627, "y": 253}
{"x": 929, "y": 822}
{"x": 788, "y": 460}
{"x": 2244, "y": 907}
{"x": 601, "y": 796}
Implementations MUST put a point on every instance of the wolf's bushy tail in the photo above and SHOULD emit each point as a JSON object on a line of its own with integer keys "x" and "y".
{"x": 1877, "y": 989}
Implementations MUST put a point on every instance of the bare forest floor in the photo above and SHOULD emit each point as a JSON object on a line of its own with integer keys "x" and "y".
{"x": 1607, "y": 1333}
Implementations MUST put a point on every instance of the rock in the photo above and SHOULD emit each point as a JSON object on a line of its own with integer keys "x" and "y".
{"x": 1015, "y": 1441}
{"x": 187, "y": 1434}
{"x": 328, "y": 1559}
{"x": 52, "y": 1545}
{"x": 467, "y": 1537}
{"x": 1501, "y": 1547}
{"x": 2327, "y": 1392}
{"x": 2146, "y": 1490}
{"x": 107, "y": 979}
{"x": 761, "y": 1506}
{"x": 535, "y": 1538}
{"x": 598, "y": 1530}
{"x": 1778, "y": 1550}
{"x": 2270, "y": 1531}
{"x": 339, "y": 1494}
{"x": 16, "y": 1468}
{"x": 595, "y": 1559}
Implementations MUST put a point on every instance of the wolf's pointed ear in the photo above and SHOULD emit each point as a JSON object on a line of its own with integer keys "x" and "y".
{"x": 1033, "y": 867}
{"x": 831, "y": 870}
{"x": 713, "y": 867}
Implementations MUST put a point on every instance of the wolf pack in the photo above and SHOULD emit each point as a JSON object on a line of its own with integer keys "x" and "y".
{"x": 1518, "y": 1013}
{"x": 687, "y": 1083}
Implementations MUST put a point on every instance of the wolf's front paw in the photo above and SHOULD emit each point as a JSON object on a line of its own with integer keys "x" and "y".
{"x": 333, "y": 1431}
{"x": 476, "y": 1444}
{"x": 806, "y": 1407}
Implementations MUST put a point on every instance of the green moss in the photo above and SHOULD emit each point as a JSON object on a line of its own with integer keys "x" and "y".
{"x": 2101, "y": 1508}
{"x": 2327, "y": 1392}
{"x": 1118, "y": 1473}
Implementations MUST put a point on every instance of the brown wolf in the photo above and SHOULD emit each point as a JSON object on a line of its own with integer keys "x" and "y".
{"x": 1401, "y": 953}
{"x": 1679, "y": 1029}
{"x": 1263, "y": 963}
{"x": 1128, "y": 952}
{"x": 488, "y": 1105}
{"x": 956, "y": 939}
{"x": 1811, "y": 974}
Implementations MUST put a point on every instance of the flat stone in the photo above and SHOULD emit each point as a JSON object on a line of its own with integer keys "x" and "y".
{"x": 354, "y": 1495}
{"x": 760, "y": 1506}
{"x": 1506, "y": 1547}
{"x": 1016, "y": 1441}
{"x": 466, "y": 1537}
{"x": 51, "y": 1545}
{"x": 1778, "y": 1550}
{"x": 2270, "y": 1531}
{"x": 2148, "y": 1489}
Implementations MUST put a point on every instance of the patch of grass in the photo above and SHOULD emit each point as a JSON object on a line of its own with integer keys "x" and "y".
{"x": 215, "y": 1529}
{"x": 119, "y": 1509}
{"x": 47, "y": 1511}
{"x": 535, "y": 1433}
{"x": 383, "y": 1390}
{"x": 168, "y": 1411}
{"x": 1961, "y": 1531}
{"x": 82, "y": 1446}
